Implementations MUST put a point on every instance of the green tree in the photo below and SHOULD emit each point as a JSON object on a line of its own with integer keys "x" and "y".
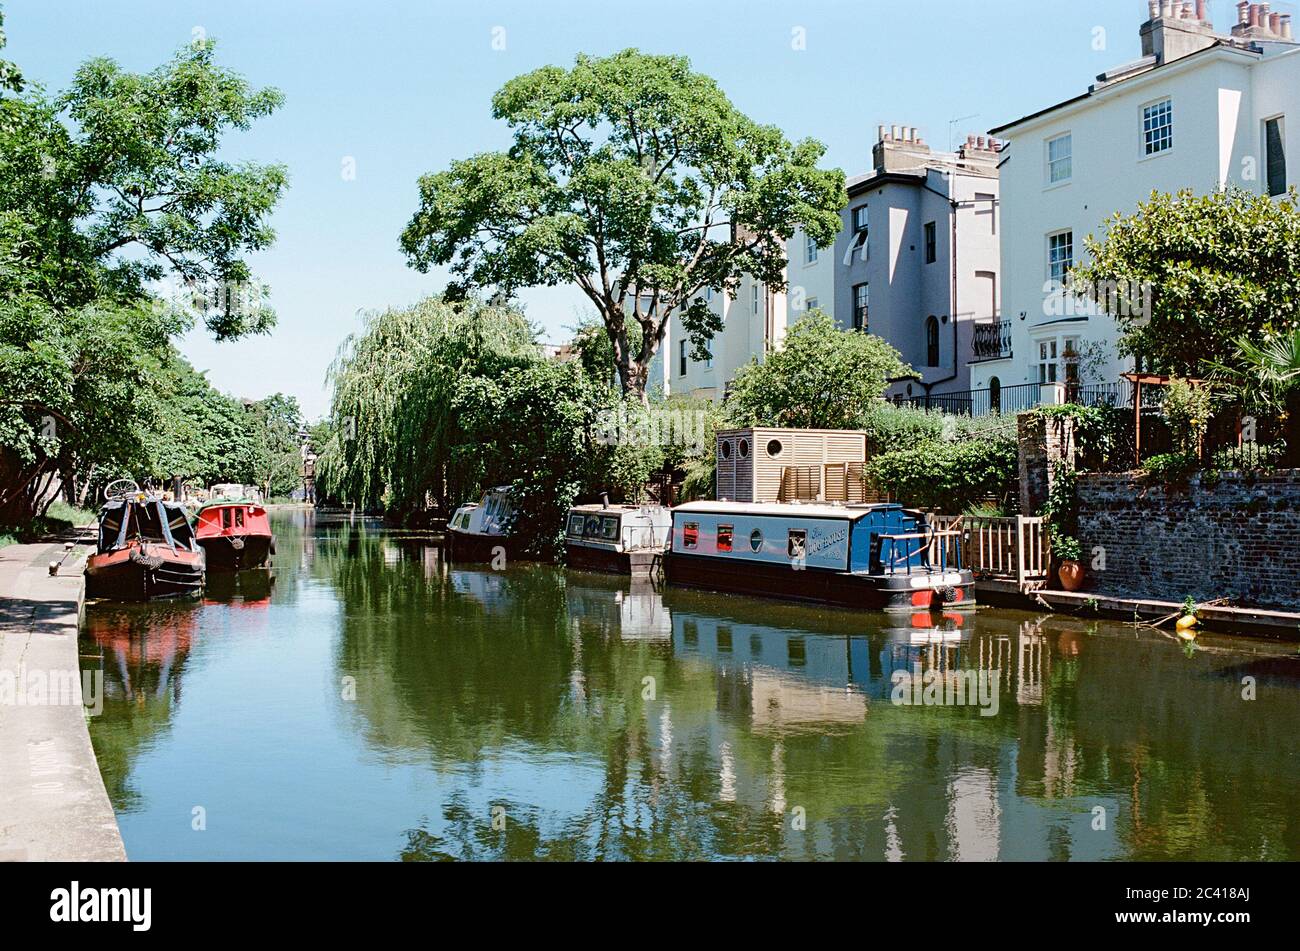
{"x": 1262, "y": 374}
{"x": 636, "y": 179}
{"x": 820, "y": 378}
{"x": 1220, "y": 267}
{"x": 108, "y": 187}
{"x": 275, "y": 422}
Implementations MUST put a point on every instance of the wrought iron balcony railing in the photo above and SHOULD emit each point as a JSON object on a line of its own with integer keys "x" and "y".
{"x": 992, "y": 341}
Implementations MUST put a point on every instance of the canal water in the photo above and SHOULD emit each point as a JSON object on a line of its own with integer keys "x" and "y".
{"x": 375, "y": 703}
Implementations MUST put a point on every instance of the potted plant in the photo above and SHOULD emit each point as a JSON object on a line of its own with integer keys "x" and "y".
{"x": 1068, "y": 550}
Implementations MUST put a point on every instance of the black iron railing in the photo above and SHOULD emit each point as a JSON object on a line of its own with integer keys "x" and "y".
{"x": 992, "y": 341}
{"x": 998, "y": 399}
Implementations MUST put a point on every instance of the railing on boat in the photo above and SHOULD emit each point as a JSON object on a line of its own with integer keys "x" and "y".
{"x": 1009, "y": 549}
{"x": 939, "y": 544}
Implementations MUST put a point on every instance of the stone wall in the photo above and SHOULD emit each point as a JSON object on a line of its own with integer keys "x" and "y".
{"x": 1234, "y": 536}
{"x": 1045, "y": 442}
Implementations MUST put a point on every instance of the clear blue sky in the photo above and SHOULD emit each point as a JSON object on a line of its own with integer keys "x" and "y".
{"x": 404, "y": 87}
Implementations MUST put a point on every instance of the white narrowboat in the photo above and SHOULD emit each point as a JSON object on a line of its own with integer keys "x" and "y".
{"x": 875, "y": 557}
{"x": 624, "y": 539}
{"x": 481, "y": 531}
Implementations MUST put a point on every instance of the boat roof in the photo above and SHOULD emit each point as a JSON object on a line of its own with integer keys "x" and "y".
{"x": 217, "y": 503}
{"x": 785, "y": 509}
{"x": 596, "y": 508}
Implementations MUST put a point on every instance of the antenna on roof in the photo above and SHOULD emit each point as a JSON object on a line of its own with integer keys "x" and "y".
{"x": 952, "y": 126}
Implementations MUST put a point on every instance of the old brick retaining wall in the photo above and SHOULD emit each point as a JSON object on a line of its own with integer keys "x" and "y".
{"x": 1235, "y": 536}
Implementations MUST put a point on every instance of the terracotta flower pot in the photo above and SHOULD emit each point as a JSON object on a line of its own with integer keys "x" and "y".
{"x": 1071, "y": 574}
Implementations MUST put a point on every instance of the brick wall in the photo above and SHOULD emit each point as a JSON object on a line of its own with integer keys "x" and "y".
{"x": 1238, "y": 537}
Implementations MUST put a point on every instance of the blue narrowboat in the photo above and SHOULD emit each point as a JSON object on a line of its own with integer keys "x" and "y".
{"x": 876, "y": 557}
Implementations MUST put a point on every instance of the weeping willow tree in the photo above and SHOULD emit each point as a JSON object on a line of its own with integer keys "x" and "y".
{"x": 397, "y": 440}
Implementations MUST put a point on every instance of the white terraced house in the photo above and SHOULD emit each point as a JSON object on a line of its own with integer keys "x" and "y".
{"x": 1200, "y": 109}
{"x": 916, "y": 261}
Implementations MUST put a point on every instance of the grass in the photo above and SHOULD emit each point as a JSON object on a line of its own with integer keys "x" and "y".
{"x": 59, "y": 518}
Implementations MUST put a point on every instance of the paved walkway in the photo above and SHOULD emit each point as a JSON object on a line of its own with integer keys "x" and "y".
{"x": 53, "y": 806}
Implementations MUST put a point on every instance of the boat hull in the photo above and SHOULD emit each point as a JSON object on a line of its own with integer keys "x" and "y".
{"x": 942, "y": 591}
{"x": 237, "y": 552}
{"x": 470, "y": 548}
{"x": 642, "y": 563}
{"x": 145, "y": 573}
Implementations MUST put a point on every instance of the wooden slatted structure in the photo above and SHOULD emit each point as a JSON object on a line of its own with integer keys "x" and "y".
{"x": 766, "y": 464}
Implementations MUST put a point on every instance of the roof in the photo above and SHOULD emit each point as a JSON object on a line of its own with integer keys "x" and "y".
{"x": 786, "y": 509}
{"x": 1124, "y": 78}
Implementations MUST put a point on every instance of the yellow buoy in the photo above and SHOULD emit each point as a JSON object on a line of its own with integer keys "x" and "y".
{"x": 1187, "y": 622}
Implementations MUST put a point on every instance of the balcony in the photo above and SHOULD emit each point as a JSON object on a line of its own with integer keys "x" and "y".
{"x": 991, "y": 341}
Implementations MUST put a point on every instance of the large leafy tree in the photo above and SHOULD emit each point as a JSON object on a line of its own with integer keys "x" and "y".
{"x": 821, "y": 378}
{"x": 1220, "y": 267}
{"x": 108, "y": 188}
{"x": 636, "y": 179}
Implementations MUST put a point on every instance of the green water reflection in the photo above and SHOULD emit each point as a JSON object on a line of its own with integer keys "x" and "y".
{"x": 375, "y": 703}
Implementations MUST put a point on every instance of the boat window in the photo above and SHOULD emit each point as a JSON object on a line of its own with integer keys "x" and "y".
{"x": 774, "y": 447}
{"x": 756, "y": 540}
{"x": 239, "y": 518}
{"x": 726, "y": 449}
{"x": 593, "y": 526}
{"x": 724, "y": 537}
{"x": 610, "y": 528}
{"x": 225, "y": 518}
{"x": 575, "y": 524}
{"x": 744, "y": 449}
{"x": 691, "y": 535}
{"x": 798, "y": 545}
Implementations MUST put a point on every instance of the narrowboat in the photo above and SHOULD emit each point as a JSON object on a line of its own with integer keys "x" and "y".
{"x": 875, "y": 557}
{"x": 623, "y": 539}
{"x": 481, "y": 531}
{"x": 235, "y": 534}
{"x": 145, "y": 549}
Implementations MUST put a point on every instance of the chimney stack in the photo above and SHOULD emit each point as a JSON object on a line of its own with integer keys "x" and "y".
{"x": 899, "y": 148}
{"x": 1178, "y": 28}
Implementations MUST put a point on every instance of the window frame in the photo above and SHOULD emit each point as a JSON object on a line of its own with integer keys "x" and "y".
{"x": 726, "y": 538}
{"x": 931, "y": 234}
{"x": 682, "y": 356}
{"x": 861, "y": 308}
{"x": 810, "y": 251}
{"x": 1145, "y": 139}
{"x": 1279, "y": 122}
{"x": 1064, "y": 279}
{"x": 932, "y": 347}
{"x": 1050, "y": 163}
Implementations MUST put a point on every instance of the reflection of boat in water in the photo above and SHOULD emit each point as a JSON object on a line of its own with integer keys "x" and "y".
{"x": 875, "y": 557}
{"x": 632, "y": 610}
{"x": 143, "y": 649}
{"x": 623, "y": 539}
{"x": 243, "y": 588}
{"x": 145, "y": 549}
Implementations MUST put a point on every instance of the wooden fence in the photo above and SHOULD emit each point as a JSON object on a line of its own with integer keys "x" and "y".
{"x": 1005, "y": 549}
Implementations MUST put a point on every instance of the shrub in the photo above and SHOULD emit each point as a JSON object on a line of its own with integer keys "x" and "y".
{"x": 1170, "y": 467}
{"x": 949, "y": 476}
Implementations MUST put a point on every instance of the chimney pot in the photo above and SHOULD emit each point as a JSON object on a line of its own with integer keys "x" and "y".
{"x": 1275, "y": 23}
{"x": 1202, "y": 12}
{"x": 1254, "y": 14}
{"x": 1286, "y": 26}
{"x": 1153, "y": 7}
{"x": 1243, "y": 12}
{"x": 893, "y": 132}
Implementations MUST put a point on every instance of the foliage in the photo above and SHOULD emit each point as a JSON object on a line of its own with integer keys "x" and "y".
{"x": 394, "y": 419}
{"x": 1097, "y": 429}
{"x": 947, "y": 476}
{"x": 636, "y": 179}
{"x": 529, "y": 429}
{"x": 821, "y": 378}
{"x": 274, "y": 423}
{"x": 1066, "y": 548}
{"x": 1249, "y": 456}
{"x": 1170, "y": 468}
{"x": 1221, "y": 267}
{"x": 1263, "y": 374}
{"x": 108, "y": 187}
{"x": 1187, "y": 411}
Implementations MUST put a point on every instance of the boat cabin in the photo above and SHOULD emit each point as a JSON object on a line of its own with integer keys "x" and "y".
{"x": 146, "y": 518}
{"x": 863, "y": 555}
{"x": 483, "y": 531}
{"x": 626, "y": 539}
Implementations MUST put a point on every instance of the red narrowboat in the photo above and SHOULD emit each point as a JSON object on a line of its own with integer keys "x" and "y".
{"x": 236, "y": 534}
{"x": 145, "y": 549}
